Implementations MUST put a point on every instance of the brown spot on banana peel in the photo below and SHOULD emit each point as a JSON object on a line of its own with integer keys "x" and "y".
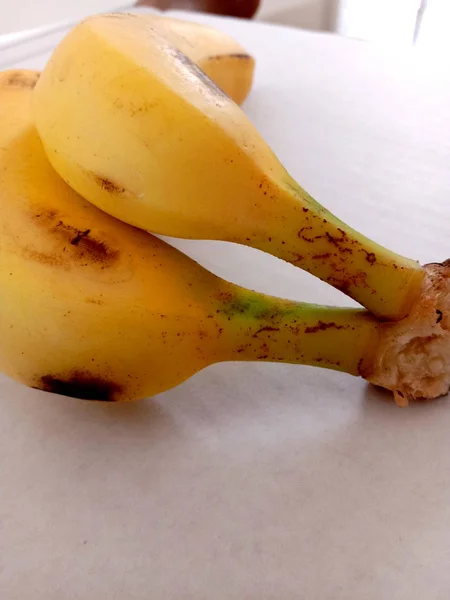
{"x": 304, "y": 237}
{"x": 343, "y": 248}
{"x": 334, "y": 240}
{"x": 263, "y": 329}
{"x": 96, "y": 301}
{"x": 81, "y": 385}
{"x": 370, "y": 256}
{"x": 237, "y": 55}
{"x": 341, "y": 279}
{"x": 241, "y": 56}
{"x": 20, "y": 79}
{"x": 75, "y": 246}
{"x": 365, "y": 368}
{"x": 321, "y": 326}
{"x": 79, "y": 236}
{"x": 338, "y": 241}
{"x": 108, "y": 185}
{"x": 324, "y": 256}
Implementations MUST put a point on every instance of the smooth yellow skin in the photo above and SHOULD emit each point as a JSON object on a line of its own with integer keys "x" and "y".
{"x": 220, "y": 56}
{"x": 94, "y": 308}
{"x": 117, "y": 313}
{"x": 139, "y": 130}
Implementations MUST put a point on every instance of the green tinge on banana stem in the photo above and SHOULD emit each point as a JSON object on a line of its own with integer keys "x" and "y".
{"x": 264, "y": 328}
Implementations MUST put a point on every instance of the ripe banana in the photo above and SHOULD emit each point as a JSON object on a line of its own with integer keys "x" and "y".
{"x": 220, "y": 56}
{"x": 134, "y": 126}
{"x": 94, "y": 308}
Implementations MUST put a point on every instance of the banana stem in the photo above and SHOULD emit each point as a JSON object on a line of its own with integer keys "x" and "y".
{"x": 264, "y": 328}
{"x": 309, "y": 236}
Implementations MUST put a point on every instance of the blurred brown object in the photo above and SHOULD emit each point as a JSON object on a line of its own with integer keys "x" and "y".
{"x": 244, "y": 9}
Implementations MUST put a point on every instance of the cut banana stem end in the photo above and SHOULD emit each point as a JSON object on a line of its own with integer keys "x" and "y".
{"x": 411, "y": 357}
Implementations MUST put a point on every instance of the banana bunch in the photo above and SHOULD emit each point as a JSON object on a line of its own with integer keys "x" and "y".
{"x": 93, "y": 306}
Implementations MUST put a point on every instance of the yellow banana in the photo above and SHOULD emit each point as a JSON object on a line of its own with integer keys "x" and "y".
{"x": 94, "y": 308}
{"x": 134, "y": 126}
{"x": 220, "y": 56}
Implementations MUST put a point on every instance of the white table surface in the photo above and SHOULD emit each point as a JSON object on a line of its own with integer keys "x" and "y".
{"x": 258, "y": 482}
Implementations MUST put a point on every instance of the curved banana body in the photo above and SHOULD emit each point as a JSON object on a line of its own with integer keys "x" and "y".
{"x": 219, "y": 55}
{"x": 90, "y": 307}
{"x": 132, "y": 124}
{"x": 94, "y": 308}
